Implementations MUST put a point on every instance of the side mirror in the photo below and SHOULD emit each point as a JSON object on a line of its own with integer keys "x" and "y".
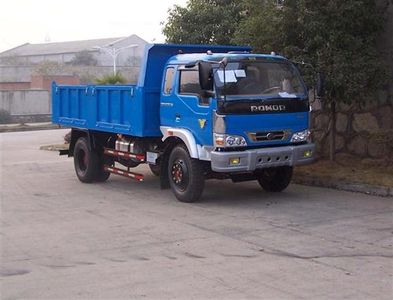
{"x": 320, "y": 85}
{"x": 205, "y": 75}
{"x": 224, "y": 62}
{"x": 204, "y": 97}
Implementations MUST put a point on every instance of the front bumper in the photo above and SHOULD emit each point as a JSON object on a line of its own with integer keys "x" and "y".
{"x": 253, "y": 159}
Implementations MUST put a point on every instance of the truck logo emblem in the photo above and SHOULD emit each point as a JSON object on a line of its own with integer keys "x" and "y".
{"x": 270, "y": 136}
{"x": 264, "y": 108}
{"x": 202, "y": 123}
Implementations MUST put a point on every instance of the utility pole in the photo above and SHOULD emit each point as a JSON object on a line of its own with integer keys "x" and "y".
{"x": 114, "y": 52}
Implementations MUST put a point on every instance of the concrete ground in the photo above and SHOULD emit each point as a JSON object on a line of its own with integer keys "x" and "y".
{"x": 61, "y": 239}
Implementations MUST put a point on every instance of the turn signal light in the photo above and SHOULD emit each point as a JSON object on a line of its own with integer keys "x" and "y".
{"x": 220, "y": 141}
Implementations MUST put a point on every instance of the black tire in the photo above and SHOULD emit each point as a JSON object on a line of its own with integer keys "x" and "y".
{"x": 86, "y": 162}
{"x": 185, "y": 175}
{"x": 275, "y": 179}
{"x": 101, "y": 174}
{"x": 155, "y": 169}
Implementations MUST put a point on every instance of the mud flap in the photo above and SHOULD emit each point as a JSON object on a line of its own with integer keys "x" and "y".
{"x": 164, "y": 160}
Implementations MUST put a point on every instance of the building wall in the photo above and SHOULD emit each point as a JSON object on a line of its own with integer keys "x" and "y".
{"x": 15, "y": 85}
{"x": 23, "y": 73}
{"x": 15, "y": 73}
{"x": 26, "y": 102}
{"x": 45, "y": 82}
{"x": 364, "y": 132}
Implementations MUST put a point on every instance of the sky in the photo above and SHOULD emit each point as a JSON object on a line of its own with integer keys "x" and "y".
{"x": 39, "y": 21}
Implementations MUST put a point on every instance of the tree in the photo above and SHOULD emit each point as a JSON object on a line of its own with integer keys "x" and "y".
{"x": 48, "y": 67}
{"x": 83, "y": 58}
{"x": 339, "y": 39}
{"x": 335, "y": 37}
{"x": 262, "y": 26}
{"x": 203, "y": 22}
{"x": 5, "y": 116}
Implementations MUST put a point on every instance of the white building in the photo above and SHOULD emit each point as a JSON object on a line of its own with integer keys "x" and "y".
{"x": 65, "y": 52}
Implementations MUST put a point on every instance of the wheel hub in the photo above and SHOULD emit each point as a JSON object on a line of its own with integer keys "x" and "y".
{"x": 179, "y": 174}
{"x": 83, "y": 160}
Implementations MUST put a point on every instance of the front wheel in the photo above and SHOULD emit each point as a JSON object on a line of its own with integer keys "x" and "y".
{"x": 275, "y": 179}
{"x": 185, "y": 175}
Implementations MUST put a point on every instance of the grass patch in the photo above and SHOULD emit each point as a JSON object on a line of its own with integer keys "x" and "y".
{"x": 350, "y": 169}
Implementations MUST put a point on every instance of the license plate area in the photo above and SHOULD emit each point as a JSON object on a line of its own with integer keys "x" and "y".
{"x": 274, "y": 159}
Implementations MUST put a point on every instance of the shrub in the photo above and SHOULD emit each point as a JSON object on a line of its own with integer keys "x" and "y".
{"x": 5, "y": 116}
{"x": 112, "y": 79}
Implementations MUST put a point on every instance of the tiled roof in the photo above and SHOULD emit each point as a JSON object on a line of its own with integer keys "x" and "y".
{"x": 61, "y": 47}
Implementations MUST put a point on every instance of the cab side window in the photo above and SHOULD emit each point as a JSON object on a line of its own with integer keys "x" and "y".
{"x": 189, "y": 82}
{"x": 168, "y": 81}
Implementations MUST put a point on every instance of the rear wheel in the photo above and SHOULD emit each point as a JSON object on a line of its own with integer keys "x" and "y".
{"x": 103, "y": 175}
{"x": 275, "y": 179}
{"x": 86, "y": 162}
{"x": 185, "y": 175}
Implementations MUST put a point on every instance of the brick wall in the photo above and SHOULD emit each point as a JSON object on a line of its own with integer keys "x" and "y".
{"x": 44, "y": 82}
{"x": 14, "y": 85}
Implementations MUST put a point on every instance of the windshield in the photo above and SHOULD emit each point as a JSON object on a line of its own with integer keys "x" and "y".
{"x": 259, "y": 78}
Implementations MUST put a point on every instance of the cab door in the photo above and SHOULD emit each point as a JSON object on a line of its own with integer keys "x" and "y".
{"x": 168, "y": 97}
{"x": 184, "y": 104}
{"x": 194, "y": 113}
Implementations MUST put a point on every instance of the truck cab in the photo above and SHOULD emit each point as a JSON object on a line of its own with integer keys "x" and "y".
{"x": 254, "y": 114}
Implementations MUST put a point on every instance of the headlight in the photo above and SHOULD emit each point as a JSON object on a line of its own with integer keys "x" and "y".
{"x": 301, "y": 136}
{"x": 226, "y": 140}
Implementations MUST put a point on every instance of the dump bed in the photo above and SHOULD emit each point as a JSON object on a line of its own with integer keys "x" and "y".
{"x": 126, "y": 109}
{"x": 111, "y": 108}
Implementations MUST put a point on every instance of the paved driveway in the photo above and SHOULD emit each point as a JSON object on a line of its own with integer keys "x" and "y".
{"x": 123, "y": 239}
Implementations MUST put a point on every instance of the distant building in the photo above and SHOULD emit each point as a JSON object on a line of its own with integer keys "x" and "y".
{"x": 27, "y": 71}
{"x": 65, "y": 52}
{"x": 66, "y": 60}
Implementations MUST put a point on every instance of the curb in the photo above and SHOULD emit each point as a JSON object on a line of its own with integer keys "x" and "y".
{"x": 56, "y": 147}
{"x": 375, "y": 190}
{"x": 28, "y": 128}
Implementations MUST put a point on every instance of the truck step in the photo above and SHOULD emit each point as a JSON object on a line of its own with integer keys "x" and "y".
{"x": 124, "y": 173}
{"x": 122, "y": 154}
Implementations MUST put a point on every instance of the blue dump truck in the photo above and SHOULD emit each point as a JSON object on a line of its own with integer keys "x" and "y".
{"x": 197, "y": 112}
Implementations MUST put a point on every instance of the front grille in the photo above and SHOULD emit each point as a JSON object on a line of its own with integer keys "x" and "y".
{"x": 266, "y": 136}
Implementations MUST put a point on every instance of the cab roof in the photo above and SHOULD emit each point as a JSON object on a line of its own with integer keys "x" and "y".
{"x": 157, "y": 56}
{"x": 194, "y": 57}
